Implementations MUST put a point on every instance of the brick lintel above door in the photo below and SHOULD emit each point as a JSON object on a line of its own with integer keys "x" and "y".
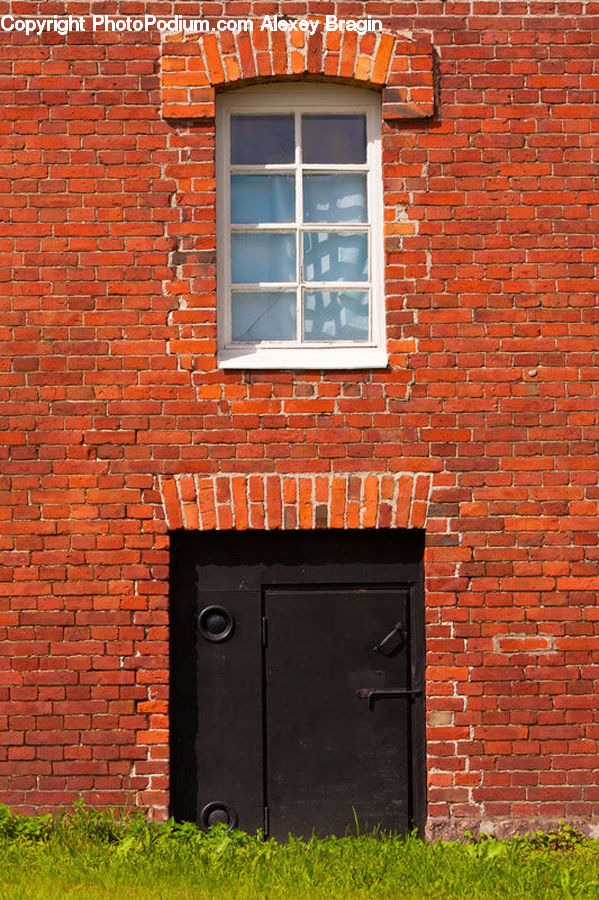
{"x": 270, "y": 501}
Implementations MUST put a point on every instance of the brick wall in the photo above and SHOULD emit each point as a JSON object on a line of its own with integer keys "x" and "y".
{"x": 110, "y": 399}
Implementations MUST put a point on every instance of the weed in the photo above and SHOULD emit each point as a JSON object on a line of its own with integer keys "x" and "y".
{"x": 24, "y": 828}
{"x": 565, "y": 837}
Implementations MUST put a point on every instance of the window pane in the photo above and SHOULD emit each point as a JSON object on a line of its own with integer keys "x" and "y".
{"x": 257, "y": 140}
{"x": 335, "y": 198}
{"x": 264, "y": 315}
{"x": 262, "y": 198}
{"x": 334, "y": 139}
{"x": 262, "y": 257}
{"x": 336, "y": 315}
{"x": 335, "y": 256}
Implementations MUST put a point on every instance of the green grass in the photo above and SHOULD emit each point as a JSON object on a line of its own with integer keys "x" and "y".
{"x": 98, "y": 856}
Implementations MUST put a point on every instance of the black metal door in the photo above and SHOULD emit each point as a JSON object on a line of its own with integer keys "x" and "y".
{"x": 229, "y": 750}
{"x": 296, "y": 701}
{"x": 337, "y": 744}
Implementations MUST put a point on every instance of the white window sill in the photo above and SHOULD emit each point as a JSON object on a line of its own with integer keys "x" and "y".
{"x": 302, "y": 358}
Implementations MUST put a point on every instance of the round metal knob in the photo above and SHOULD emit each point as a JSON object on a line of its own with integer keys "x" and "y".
{"x": 216, "y": 623}
{"x": 216, "y": 813}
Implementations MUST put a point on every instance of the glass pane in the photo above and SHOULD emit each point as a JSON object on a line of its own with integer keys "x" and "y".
{"x": 262, "y": 257}
{"x": 334, "y": 139}
{"x": 263, "y": 316}
{"x": 335, "y": 198}
{"x": 335, "y": 256}
{"x": 262, "y": 198}
{"x": 257, "y": 140}
{"x": 336, "y": 315}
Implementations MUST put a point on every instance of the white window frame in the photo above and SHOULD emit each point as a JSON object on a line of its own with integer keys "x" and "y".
{"x": 303, "y": 98}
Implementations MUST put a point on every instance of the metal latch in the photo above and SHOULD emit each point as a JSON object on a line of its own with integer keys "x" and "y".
{"x": 372, "y": 694}
{"x": 393, "y": 642}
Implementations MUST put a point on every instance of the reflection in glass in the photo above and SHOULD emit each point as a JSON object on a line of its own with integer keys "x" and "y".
{"x": 334, "y": 139}
{"x": 262, "y": 198}
{"x": 263, "y": 315}
{"x": 259, "y": 140}
{"x": 262, "y": 256}
{"x": 336, "y": 315}
{"x": 335, "y": 256}
{"x": 335, "y": 198}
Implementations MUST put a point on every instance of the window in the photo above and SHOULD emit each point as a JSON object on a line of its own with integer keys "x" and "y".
{"x": 299, "y": 210}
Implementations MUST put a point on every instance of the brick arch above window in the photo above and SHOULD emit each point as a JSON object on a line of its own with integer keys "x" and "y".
{"x": 195, "y": 66}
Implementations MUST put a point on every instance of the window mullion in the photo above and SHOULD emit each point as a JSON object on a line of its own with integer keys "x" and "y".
{"x": 227, "y": 213}
{"x": 337, "y": 226}
{"x": 299, "y": 216}
{"x": 372, "y": 214}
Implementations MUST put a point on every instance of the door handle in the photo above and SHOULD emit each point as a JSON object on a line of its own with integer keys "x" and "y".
{"x": 372, "y": 694}
{"x": 216, "y": 813}
{"x": 216, "y": 624}
{"x": 393, "y": 642}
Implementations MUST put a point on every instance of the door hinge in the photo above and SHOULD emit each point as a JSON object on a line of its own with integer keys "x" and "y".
{"x": 266, "y": 821}
{"x": 264, "y": 631}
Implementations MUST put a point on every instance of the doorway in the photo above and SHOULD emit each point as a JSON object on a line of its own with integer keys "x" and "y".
{"x": 297, "y": 691}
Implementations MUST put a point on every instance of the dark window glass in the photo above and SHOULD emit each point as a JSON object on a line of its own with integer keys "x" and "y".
{"x": 334, "y": 139}
{"x": 259, "y": 140}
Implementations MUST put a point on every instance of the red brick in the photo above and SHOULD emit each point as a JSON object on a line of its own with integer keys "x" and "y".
{"x": 273, "y": 500}
{"x": 370, "y": 502}
{"x": 348, "y": 54}
{"x": 173, "y": 507}
{"x": 213, "y": 59}
{"x": 403, "y": 502}
{"x": 380, "y": 63}
{"x": 207, "y": 503}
